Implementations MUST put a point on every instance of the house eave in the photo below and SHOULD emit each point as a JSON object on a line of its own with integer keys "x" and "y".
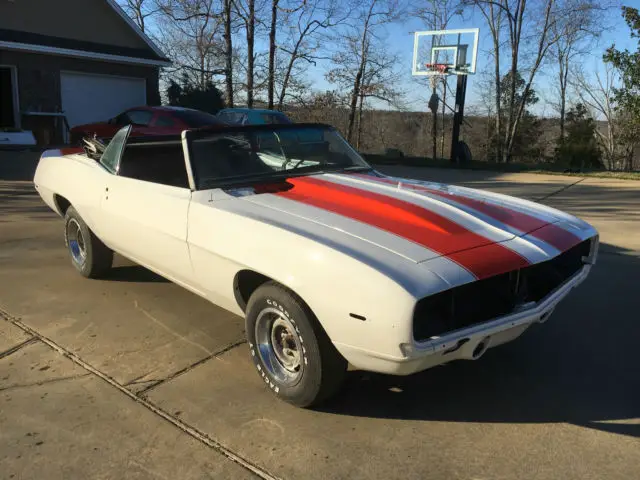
{"x": 67, "y": 52}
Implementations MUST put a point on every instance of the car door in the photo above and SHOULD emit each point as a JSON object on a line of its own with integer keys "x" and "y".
{"x": 147, "y": 222}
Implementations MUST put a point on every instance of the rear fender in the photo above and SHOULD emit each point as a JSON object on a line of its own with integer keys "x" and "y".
{"x": 75, "y": 177}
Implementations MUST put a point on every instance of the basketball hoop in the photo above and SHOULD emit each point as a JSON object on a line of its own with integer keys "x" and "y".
{"x": 437, "y": 54}
{"x": 445, "y": 52}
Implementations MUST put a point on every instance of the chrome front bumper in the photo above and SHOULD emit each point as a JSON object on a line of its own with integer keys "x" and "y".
{"x": 468, "y": 343}
{"x": 471, "y": 343}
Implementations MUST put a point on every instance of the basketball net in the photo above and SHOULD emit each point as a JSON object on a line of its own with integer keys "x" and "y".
{"x": 439, "y": 70}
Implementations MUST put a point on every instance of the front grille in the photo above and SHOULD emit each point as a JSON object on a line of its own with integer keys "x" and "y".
{"x": 496, "y": 296}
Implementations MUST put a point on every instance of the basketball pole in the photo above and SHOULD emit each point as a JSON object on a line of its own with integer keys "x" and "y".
{"x": 458, "y": 115}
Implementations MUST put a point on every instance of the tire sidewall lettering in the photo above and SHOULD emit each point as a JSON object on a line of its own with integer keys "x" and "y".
{"x": 264, "y": 374}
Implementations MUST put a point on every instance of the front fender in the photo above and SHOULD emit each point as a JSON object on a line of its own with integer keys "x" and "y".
{"x": 357, "y": 303}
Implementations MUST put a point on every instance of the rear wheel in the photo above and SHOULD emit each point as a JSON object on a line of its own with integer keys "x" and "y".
{"x": 89, "y": 255}
{"x": 291, "y": 351}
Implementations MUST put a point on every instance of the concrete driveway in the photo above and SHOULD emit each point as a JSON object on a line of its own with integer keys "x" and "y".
{"x": 134, "y": 377}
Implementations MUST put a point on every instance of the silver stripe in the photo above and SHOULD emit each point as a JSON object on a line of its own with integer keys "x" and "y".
{"x": 377, "y": 236}
{"x": 516, "y": 204}
{"x": 538, "y": 210}
{"x": 389, "y": 241}
{"x": 415, "y": 278}
{"x": 532, "y": 249}
{"x": 436, "y": 205}
{"x": 541, "y": 212}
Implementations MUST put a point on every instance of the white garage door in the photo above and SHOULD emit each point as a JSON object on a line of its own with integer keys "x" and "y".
{"x": 88, "y": 98}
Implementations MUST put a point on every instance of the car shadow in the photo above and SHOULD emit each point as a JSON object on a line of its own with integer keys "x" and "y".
{"x": 581, "y": 367}
{"x": 22, "y": 199}
{"x": 133, "y": 273}
{"x": 19, "y": 165}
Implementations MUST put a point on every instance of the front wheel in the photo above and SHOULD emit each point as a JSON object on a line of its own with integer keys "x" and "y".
{"x": 293, "y": 354}
{"x": 89, "y": 255}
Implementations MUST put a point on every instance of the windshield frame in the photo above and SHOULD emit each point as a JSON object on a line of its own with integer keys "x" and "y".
{"x": 201, "y": 133}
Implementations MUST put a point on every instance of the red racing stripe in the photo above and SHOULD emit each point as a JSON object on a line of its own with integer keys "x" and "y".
{"x": 550, "y": 233}
{"x": 408, "y": 221}
{"x": 556, "y": 236}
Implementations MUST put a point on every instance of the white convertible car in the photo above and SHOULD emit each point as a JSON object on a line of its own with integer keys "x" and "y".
{"x": 329, "y": 261}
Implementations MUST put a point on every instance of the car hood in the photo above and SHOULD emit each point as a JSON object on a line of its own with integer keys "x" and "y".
{"x": 421, "y": 221}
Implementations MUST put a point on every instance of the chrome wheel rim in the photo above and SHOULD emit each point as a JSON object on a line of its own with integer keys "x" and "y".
{"x": 75, "y": 241}
{"x": 279, "y": 345}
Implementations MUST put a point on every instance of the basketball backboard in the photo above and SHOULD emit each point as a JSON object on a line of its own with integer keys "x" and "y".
{"x": 445, "y": 52}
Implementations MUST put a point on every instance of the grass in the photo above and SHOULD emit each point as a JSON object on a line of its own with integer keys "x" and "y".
{"x": 541, "y": 168}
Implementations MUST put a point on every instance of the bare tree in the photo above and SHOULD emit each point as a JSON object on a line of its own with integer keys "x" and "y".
{"x": 378, "y": 82}
{"x": 272, "y": 52}
{"x": 543, "y": 37}
{"x": 228, "y": 51}
{"x": 351, "y": 61}
{"x": 596, "y": 93}
{"x": 247, "y": 12}
{"x": 530, "y": 32}
{"x": 306, "y": 36}
{"x": 485, "y": 109}
{"x": 140, "y": 10}
{"x": 273, "y": 29}
{"x": 493, "y": 14}
{"x": 191, "y": 36}
{"x": 575, "y": 35}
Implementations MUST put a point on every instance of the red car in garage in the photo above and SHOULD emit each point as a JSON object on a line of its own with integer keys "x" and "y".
{"x": 147, "y": 121}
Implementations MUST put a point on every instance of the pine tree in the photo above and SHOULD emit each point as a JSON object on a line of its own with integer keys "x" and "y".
{"x": 579, "y": 149}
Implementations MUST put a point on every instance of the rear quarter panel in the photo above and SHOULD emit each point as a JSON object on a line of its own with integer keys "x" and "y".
{"x": 77, "y": 178}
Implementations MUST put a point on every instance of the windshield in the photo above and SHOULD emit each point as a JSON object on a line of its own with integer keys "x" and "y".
{"x": 244, "y": 155}
{"x": 111, "y": 155}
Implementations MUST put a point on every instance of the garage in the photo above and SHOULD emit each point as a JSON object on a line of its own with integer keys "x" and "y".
{"x": 88, "y": 98}
{"x": 59, "y": 70}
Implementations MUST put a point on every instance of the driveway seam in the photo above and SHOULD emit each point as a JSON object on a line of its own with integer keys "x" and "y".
{"x": 188, "y": 368}
{"x": 43, "y": 382}
{"x": 566, "y": 187}
{"x": 188, "y": 429}
{"x": 18, "y": 347}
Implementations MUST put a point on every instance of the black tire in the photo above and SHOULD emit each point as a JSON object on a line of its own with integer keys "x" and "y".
{"x": 321, "y": 367}
{"x": 88, "y": 254}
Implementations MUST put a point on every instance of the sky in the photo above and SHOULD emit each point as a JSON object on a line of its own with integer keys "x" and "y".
{"x": 399, "y": 38}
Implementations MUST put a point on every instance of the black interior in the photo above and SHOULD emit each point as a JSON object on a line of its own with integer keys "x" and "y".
{"x": 158, "y": 163}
